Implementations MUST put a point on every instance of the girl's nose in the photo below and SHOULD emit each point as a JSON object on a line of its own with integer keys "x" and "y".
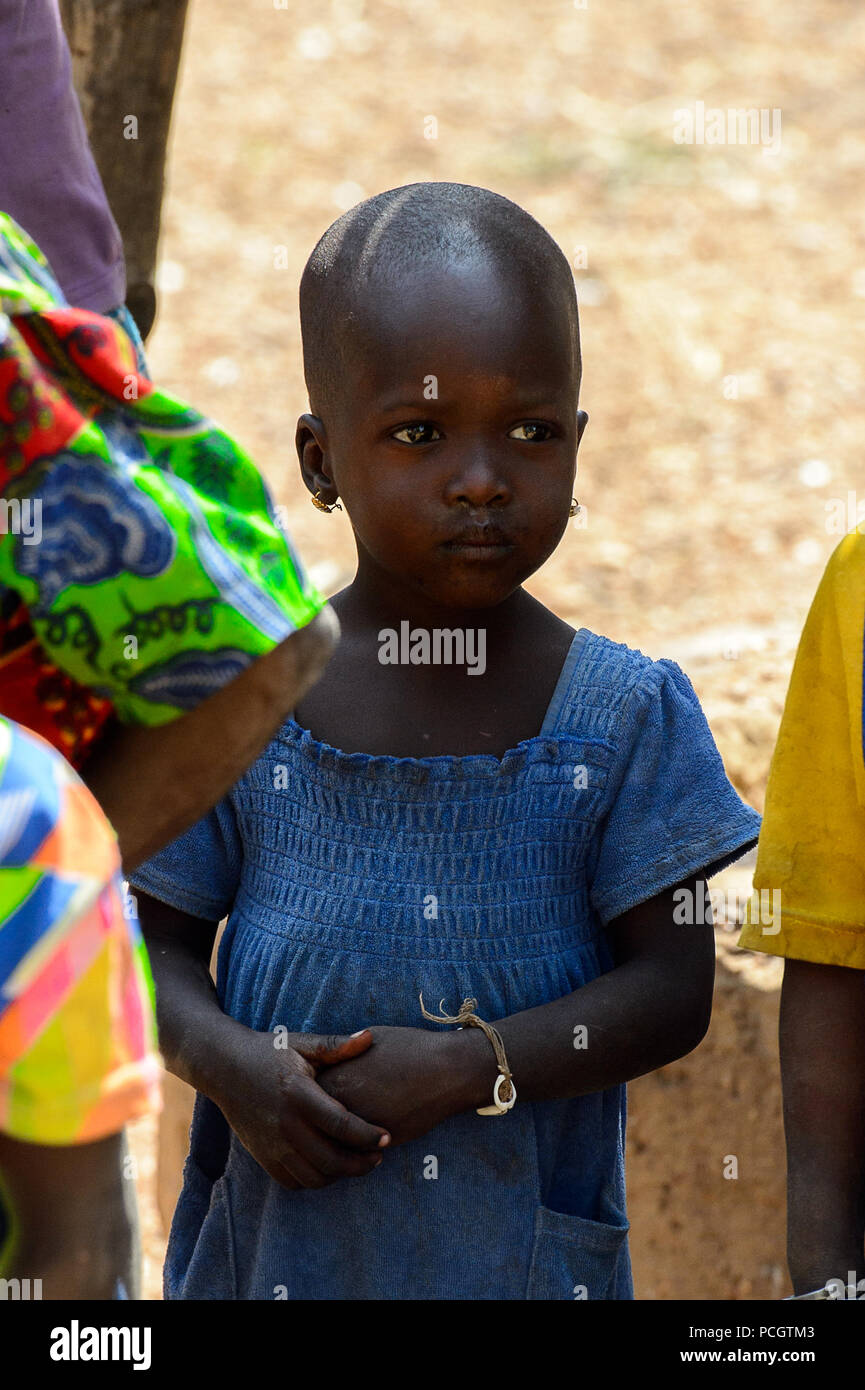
{"x": 479, "y": 484}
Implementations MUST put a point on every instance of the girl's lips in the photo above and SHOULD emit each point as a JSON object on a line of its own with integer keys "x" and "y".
{"x": 480, "y": 549}
{"x": 479, "y": 537}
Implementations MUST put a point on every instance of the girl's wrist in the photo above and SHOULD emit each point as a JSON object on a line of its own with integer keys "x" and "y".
{"x": 471, "y": 1066}
{"x": 210, "y": 1064}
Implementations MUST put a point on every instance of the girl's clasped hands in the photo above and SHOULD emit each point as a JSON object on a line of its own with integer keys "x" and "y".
{"x": 312, "y": 1109}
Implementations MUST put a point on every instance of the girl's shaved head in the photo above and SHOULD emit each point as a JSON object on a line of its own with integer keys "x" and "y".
{"x": 405, "y": 232}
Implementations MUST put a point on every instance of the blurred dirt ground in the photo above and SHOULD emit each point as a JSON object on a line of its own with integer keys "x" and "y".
{"x": 721, "y": 286}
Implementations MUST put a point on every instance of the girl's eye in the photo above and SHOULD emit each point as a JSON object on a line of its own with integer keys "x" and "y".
{"x": 531, "y": 430}
{"x": 419, "y": 433}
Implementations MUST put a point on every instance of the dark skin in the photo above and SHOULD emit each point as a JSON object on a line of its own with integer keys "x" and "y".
{"x": 301, "y": 1136}
{"x": 822, "y": 1044}
{"x": 507, "y": 367}
{"x": 55, "y": 1199}
{"x": 454, "y": 502}
{"x": 301, "y": 1111}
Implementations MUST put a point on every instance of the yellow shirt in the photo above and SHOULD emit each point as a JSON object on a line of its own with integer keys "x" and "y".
{"x": 812, "y": 845}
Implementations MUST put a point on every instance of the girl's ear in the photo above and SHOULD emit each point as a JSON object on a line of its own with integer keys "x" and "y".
{"x": 582, "y": 421}
{"x": 311, "y": 443}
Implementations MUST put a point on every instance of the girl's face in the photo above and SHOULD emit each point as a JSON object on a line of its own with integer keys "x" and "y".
{"x": 453, "y": 443}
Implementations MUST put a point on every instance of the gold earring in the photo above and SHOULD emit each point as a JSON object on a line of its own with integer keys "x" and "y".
{"x": 575, "y": 507}
{"x": 323, "y": 506}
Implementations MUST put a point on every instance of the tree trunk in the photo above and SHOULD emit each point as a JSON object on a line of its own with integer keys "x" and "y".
{"x": 125, "y": 56}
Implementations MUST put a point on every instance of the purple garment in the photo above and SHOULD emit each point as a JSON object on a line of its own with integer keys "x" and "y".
{"x": 48, "y": 179}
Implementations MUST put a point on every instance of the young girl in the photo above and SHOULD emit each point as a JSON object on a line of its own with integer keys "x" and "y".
{"x": 495, "y": 841}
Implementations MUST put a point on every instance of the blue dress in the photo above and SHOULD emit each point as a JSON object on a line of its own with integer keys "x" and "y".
{"x": 356, "y": 882}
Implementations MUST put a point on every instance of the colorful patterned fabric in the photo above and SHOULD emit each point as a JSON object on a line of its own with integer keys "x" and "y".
{"x": 142, "y": 543}
{"x": 78, "y": 1055}
{"x": 812, "y": 845}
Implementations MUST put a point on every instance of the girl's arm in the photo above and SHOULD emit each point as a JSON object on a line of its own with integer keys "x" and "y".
{"x": 264, "y": 1083}
{"x": 822, "y": 1037}
{"x": 194, "y": 1034}
{"x": 653, "y": 1007}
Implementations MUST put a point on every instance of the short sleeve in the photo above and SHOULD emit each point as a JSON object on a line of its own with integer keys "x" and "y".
{"x": 199, "y": 872}
{"x": 672, "y": 812}
{"x": 809, "y": 900}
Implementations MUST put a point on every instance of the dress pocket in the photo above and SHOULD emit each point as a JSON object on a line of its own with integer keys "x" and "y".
{"x": 575, "y": 1258}
{"x": 200, "y": 1262}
